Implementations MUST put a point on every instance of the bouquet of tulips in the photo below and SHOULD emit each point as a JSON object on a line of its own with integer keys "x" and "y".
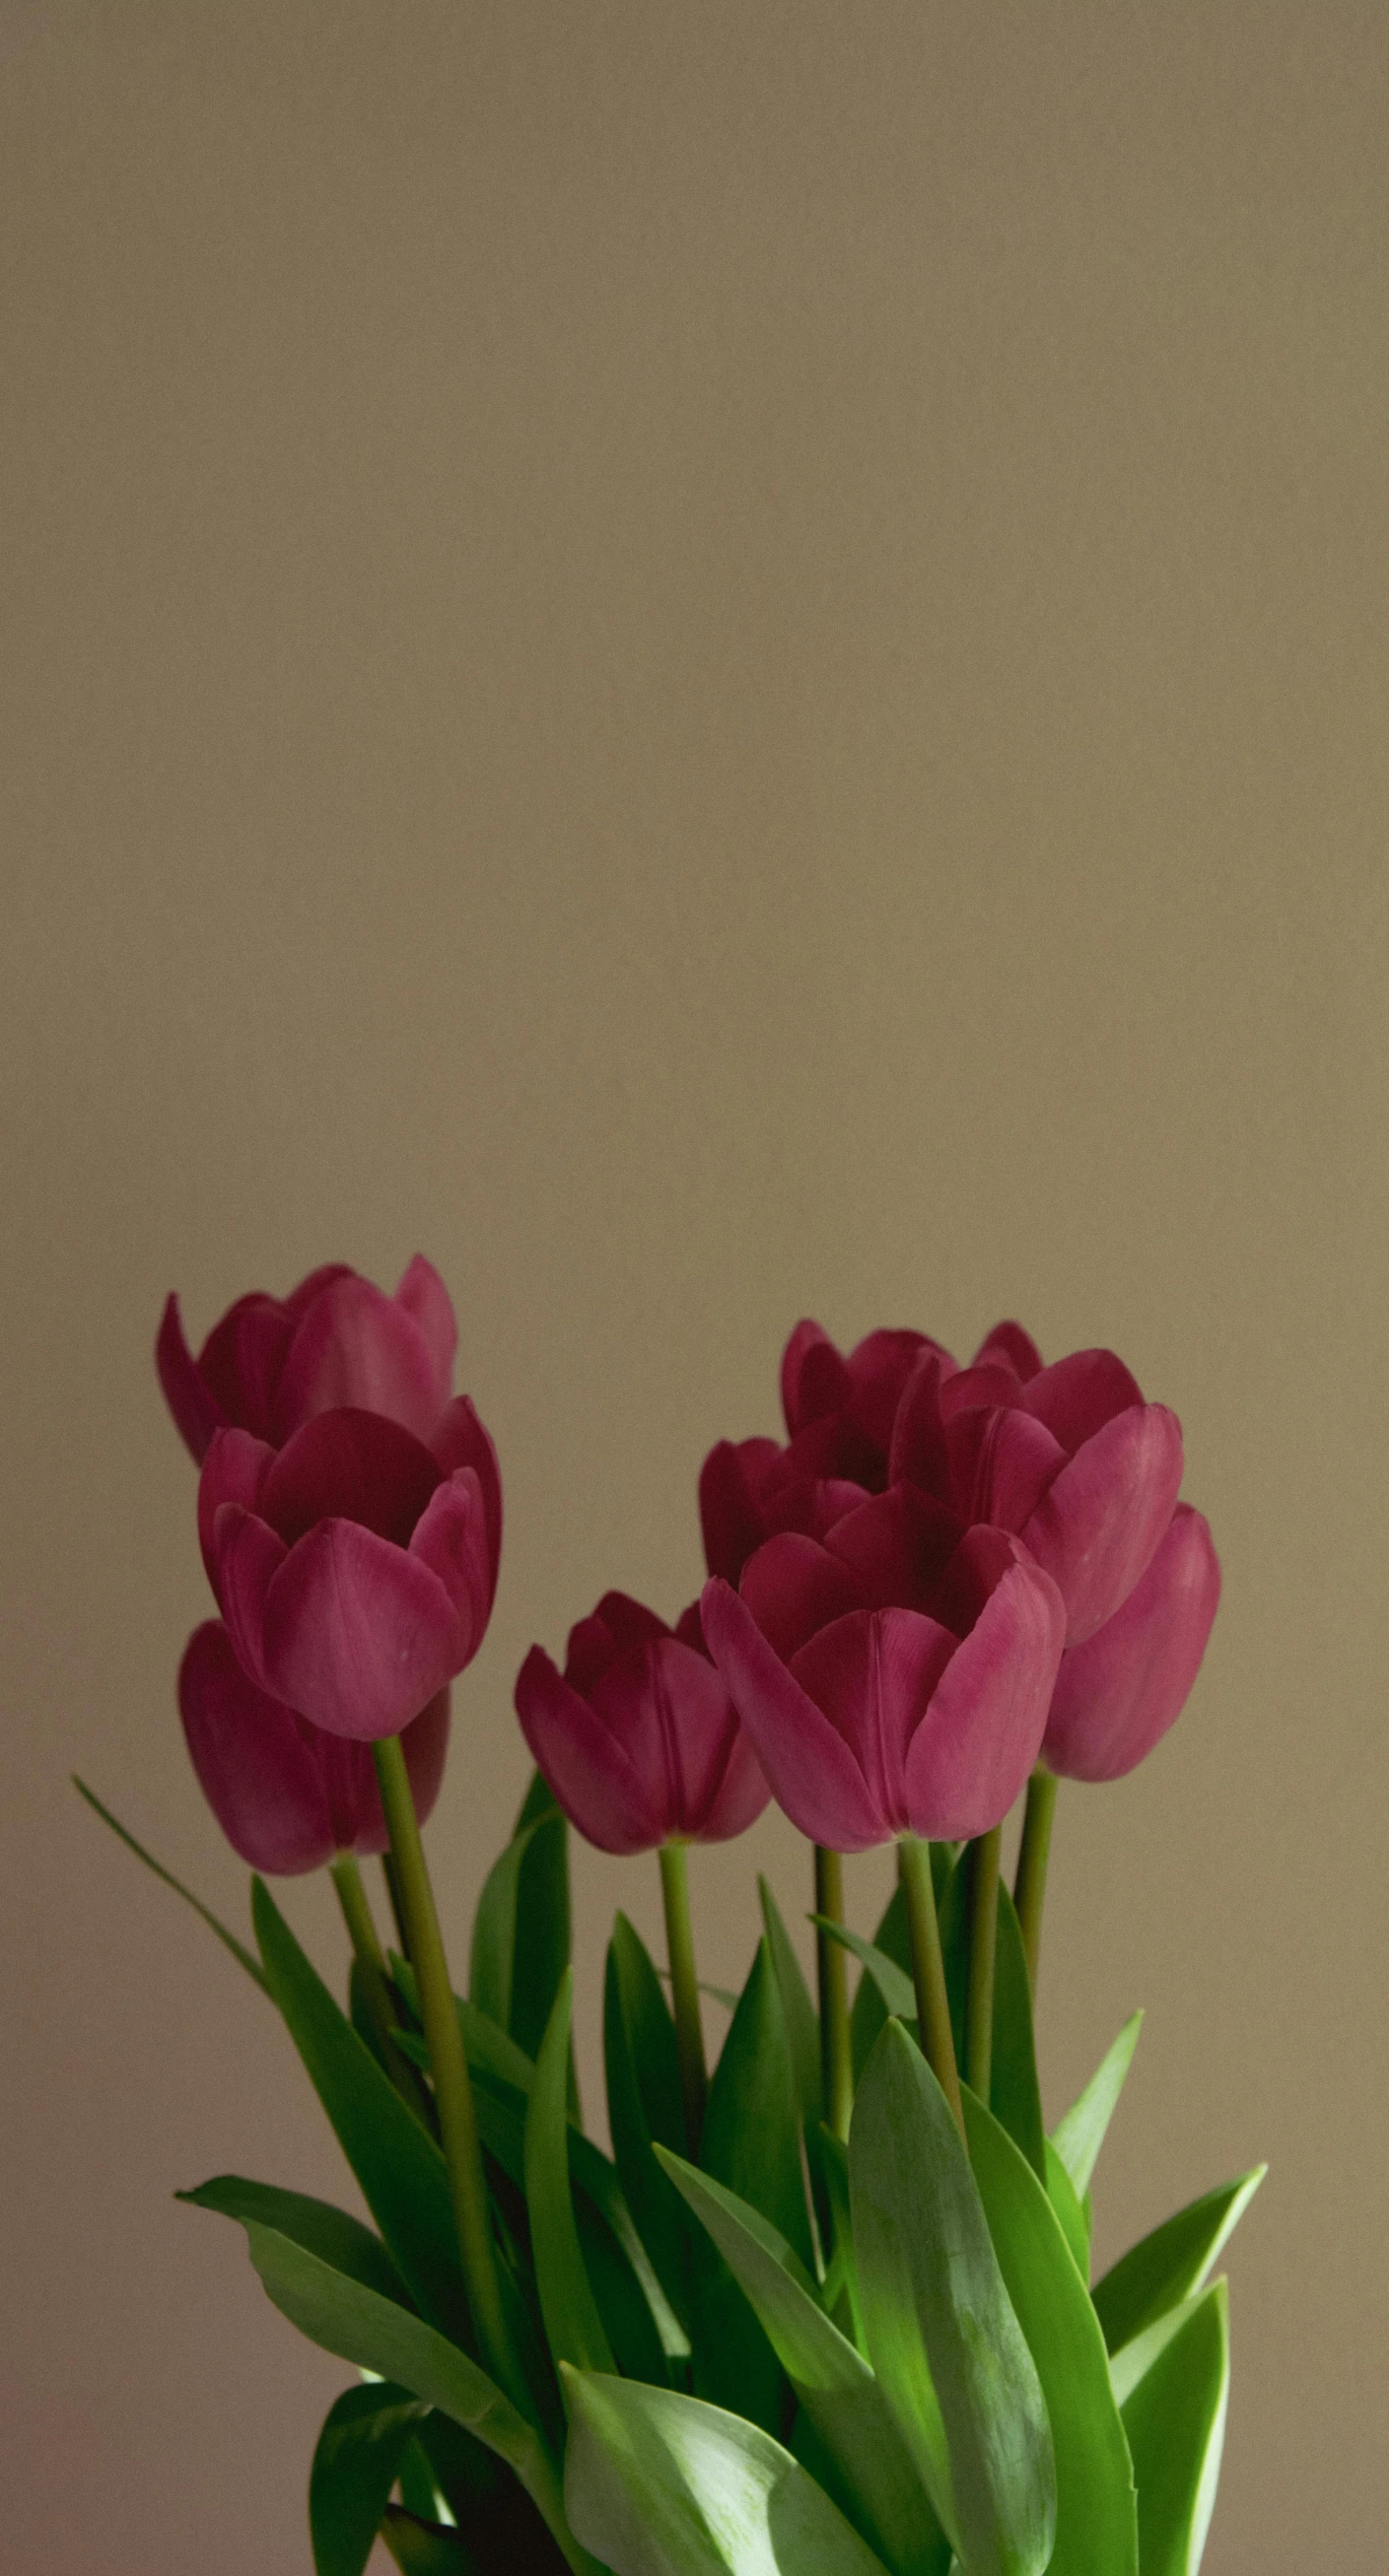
{"x": 825, "y": 2308}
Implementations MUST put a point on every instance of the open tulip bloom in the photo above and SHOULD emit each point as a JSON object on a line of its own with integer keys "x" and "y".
{"x": 826, "y": 2308}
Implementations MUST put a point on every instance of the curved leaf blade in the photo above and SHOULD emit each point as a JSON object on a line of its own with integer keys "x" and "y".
{"x": 1075, "y": 2225}
{"x": 1175, "y": 2422}
{"x": 1080, "y": 2134}
{"x": 572, "y": 2322}
{"x": 332, "y": 2234}
{"x": 213, "y": 1921}
{"x": 1167, "y": 2266}
{"x": 355, "y": 2466}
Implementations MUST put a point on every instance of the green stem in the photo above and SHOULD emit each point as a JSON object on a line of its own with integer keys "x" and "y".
{"x": 453, "y": 2092}
{"x": 392, "y": 1879}
{"x": 684, "y": 1989}
{"x": 375, "y": 1982}
{"x": 928, "y": 1970}
{"x": 983, "y": 1942}
{"x": 836, "y": 2061}
{"x": 1030, "y": 1886}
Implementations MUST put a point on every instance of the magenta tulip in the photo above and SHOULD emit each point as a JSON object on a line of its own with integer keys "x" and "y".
{"x": 287, "y": 1796}
{"x": 272, "y": 1363}
{"x": 638, "y": 1737}
{"x": 874, "y": 1718}
{"x": 355, "y": 1568}
{"x": 1117, "y": 1694}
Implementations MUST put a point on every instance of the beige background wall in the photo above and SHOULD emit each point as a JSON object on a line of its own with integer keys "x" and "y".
{"x": 715, "y": 662}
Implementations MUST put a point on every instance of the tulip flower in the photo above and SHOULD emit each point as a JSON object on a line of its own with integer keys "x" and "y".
{"x": 272, "y": 1363}
{"x": 287, "y": 1796}
{"x": 638, "y": 1738}
{"x": 355, "y": 1567}
{"x": 1117, "y": 1694}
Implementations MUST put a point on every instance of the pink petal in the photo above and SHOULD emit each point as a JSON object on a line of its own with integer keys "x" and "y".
{"x": 793, "y": 1586}
{"x": 424, "y": 1298}
{"x": 984, "y": 1383}
{"x": 313, "y": 1285}
{"x": 196, "y": 1411}
{"x": 234, "y": 1471}
{"x": 451, "y": 1539}
{"x": 1009, "y": 1342}
{"x": 589, "y": 1773}
{"x": 425, "y": 1745}
{"x": 730, "y": 1519}
{"x": 973, "y": 1575}
{"x": 813, "y": 1506}
{"x": 246, "y": 1556}
{"x": 617, "y": 1624}
{"x": 873, "y": 1674}
{"x": 982, "y": 1729}
{"x": 255, "y": 1769}
{"x": 918, "y": 1453}
{"x": 354, "y": 1346}
{"x": 463, "y": 1440}
{"x": 353, "y": 1466}
{"x": 1117, "y": 1694}
{"x": 354, "y": 1793}
{"x": 811, "y": 1771}
{"x": 814, "y": 1379}
{"x": 687, "y": 1628}
{"x": 1001, "y": 1464}
{"x": 242, "y": 1358}
{"x": 879, "y": 1368}
{"x": 1098, "y": 1527}
{"x": 629, "y": 1622}
{"x": 359, "y": 1635}
{"x": 740, "y": 1797}
{"x": 897, "y": 1546}
{"x": 1076, "y": 1396}
{"x": 670, "y": 1711}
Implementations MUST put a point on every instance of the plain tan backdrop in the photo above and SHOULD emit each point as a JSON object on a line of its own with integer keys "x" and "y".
{"x": 716, "y": 662}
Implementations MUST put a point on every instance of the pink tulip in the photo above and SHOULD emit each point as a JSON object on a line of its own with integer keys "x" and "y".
{"x": 355, "y": 1568}
{"x": 874, "y": 1718}
{"x": 287, "y": 1796}
{"x": 1117, "y": 1694}
{"x": 638, "y": 1739}
{"x": 272, "y": 1363}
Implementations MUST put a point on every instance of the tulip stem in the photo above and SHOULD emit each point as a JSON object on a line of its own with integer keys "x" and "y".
{"x": 928, "y": 1970}
{"x": 1030, "y": 1886}
{"x": 983, "y": 1943}
{"x": 453, "y": 2091}
{"x": 388, "y": 1872}
{"x": 374, "y": 1982}
{"x": 836, "y": 2063}
{"x": 684, "y": 1989}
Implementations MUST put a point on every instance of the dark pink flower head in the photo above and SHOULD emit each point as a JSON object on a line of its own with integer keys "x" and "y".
{"x": 638, "y": 1737}
{"x": 839, "y": 1415}
{"x": 874, "y": 1716}
{"x": 287, "y": 1796}
{"x": 272, "y": 1363}
{"x": 356, "y": 1566}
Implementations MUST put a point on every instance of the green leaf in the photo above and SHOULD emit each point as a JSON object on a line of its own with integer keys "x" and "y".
{"x": 869, "y": 2471}
{"x": 841, "y": 2291}
{"x": 332, "y": 2234}
{"x": 426, "y": 2548}
{"x": 399, "y": 2168}
{"x": 1079, "y": 2137}
{"x": 378, "y": 2336}
{"x": 1175, "y": 2422}
{"x": 1164, "y": 2268}
{"x": 228, "y": 1939}
{"x": 355, "y": 2466}
{"x": 750, "y": 2142}
{"x": 643, "y": 2080}
{"x": 1014, "y": 2098}
{"x": 662, "y": 2485}
{"x": 803, "y": 2041}
{"x": 943, "y": 2337}
{"x": 1096, "y": 2529}
{"x": 572, "y": 2323}
{"x": 896, "y": 1993}
{"x": 1075, "y": 2226}
{"x": 520, "y": 1945}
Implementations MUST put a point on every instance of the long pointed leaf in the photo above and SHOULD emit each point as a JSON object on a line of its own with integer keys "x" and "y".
{"x": 895, "y": 1990}
{"x": 803, "y": 2041}
{"x": 1164, "y": 2268}
{"x": 214, "y": 1923}
{"x": 332, "y": 2234}
{"x": 572, "y": 2322}
{"x": 1014, "y": 2098}
{"x": 751, "y": 2143}
{"x": 355, "y": 2466}
{"x": 1175, "y": 2422}
{"x": 662, "y": 2485}
{"x": 426, "y": 2548}
{"x": 1079, "y": 2136}
{"x": 1096, "y": 2527}
{"x": 872, "y": 2477}
{"x": 1075, "y": 2225}
{"x": 943, "y": 2337}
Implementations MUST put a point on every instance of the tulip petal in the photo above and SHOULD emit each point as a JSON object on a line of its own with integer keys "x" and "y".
{"x": 1001, "y": 1464}
{"x": 462, "y": 1439}
{"x": 1117, "y": 1694}
{"x": 730, "y": 1518}
{"x": 425, "y": 1745}
{"x": 741, "y": 1795}
{"x": 918, "y": 1453}
{"x": 313, "y": 1285}
{"x": 813, "y": 1506}
{"x": 241, "y": 1360}
{"x": 814, "y": 1378}
{"x": 793, "y": 1586}
{"x": 1098, "y": 1527}
{"x": 670, "y": 1711}
{"x": 354, "y": 1346}
{"x": 451, "y": 1539}
{"x": 588, "y": 1771}
{"x": 983, "y": 1383}
{"x": 811, "y": 1772}
{"x": 359, "y": 1634}
{"x": 254, "y": 1766}
{"x": 973, "y": 1575}
{"x": 1009, "y": 1342}
{"x": 872, "y": 1675}
{"x": 349, "y": 1465}
{"x": 982, "y": 1730}
{"x": 196, "y": 1411}
{"x": 424, "y": 1298}
{"x": 245, "y": 1557}
{"x": 629, "y": 1623}
{"x": 354, "y": 1792}
{"x": 879, "y": 1368}
{"x": 897, "y": 1546}
{"x": 1076, "y": 1396}
{"x": 234, "y": 1471}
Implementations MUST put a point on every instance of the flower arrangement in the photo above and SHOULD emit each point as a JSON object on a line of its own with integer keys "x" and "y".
{"x": 825, "y": 2308}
